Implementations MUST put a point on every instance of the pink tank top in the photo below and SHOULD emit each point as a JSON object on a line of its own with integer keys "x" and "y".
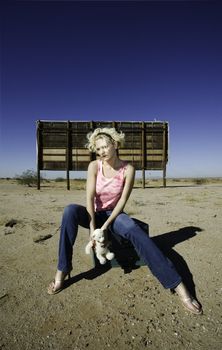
{"x": 108, "y": 190}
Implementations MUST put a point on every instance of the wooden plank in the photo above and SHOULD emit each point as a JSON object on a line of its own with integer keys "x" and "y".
{"x": 102, "y": 124}
{"x": 123, "y": 151}
{"x": 50, "y": 141}
{"x": 54, "y": 151}
{"x": 131, "y": 157}
{"x": 54, "y": 158}
{"x": 80, "y": 151}
{"x": 155, "y": 151}
{"x": 80, "y": 158}
{"x": 80, "y": 166}
{"x": 154, "y": 145}
{"x": 84, "y": 126}
{"x": 54, "y": 165}
{"x": 154, "y": 165}
{"x": 154, "y": 158}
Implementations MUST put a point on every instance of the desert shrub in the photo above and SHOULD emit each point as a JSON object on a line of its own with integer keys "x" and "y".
{"x": 28, "y": 177}
{"x": 59, "y": 179}
{"x": 200, "y": 181}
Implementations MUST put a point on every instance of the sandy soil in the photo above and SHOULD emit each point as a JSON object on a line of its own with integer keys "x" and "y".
{"x": 109, "y": 309}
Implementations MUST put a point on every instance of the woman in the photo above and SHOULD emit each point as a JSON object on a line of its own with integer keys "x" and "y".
{"x": 109, "y": 184}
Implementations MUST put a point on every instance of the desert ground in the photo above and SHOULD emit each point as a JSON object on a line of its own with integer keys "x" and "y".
{"x": 110, "y": 308}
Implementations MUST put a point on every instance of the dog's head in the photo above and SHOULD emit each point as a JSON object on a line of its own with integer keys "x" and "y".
{"x": 98, "y": 235}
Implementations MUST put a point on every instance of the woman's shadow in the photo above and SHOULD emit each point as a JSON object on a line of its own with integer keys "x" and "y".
{"x": 166, "y": 243}
{"x": 127, "y": 258}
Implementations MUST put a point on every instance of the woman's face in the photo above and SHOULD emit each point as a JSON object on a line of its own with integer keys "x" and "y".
{"x": 105, "y": 149}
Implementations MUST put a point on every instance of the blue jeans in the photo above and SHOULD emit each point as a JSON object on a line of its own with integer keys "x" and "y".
{"x": 75, "y": 215}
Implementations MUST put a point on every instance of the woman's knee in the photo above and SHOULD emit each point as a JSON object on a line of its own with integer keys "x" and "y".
{"x": 76, "y": 214}
{"x": 124, "y": 224}
{"x": 70, "y": 210}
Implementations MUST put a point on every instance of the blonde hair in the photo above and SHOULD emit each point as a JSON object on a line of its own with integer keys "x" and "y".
{"x": 110, "y": 134}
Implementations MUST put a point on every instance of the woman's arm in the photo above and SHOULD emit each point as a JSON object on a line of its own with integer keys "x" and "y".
{"x": 90, "y": 193}
{"x": 129, "y": 181}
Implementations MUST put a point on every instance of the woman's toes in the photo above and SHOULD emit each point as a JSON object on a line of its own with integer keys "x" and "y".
{"x": 192, "y": 305}
{"x": 54, "y": 287}
{"x": 196, "y": 305}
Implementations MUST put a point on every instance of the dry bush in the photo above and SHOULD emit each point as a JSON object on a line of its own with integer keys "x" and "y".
{"x": 28, "y": 177}
{"x": 200, "y": 181}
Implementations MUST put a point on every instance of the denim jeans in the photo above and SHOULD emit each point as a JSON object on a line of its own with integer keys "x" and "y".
{"x": 75, "y": 215}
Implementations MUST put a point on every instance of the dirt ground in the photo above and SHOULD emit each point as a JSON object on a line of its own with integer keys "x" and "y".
{"x": 109, "y": 308}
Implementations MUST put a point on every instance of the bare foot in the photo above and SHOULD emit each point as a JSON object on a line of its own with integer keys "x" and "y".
{"x": 187, "y": 300}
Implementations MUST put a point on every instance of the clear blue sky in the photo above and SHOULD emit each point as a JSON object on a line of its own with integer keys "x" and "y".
{"x": 130, "y": 60}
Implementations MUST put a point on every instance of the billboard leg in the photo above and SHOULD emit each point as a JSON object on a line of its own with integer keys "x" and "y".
{"x": 164, "y": 177}
{"x": 143, "y": 178}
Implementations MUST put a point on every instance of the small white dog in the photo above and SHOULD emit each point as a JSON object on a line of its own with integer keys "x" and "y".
{"x": 100, "y": 246}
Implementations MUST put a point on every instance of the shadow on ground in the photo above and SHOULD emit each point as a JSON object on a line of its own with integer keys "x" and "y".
{"x": 127, "y": 258}
{"x": 166, "y": 243}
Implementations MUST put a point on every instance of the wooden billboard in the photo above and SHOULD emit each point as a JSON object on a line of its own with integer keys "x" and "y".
{"x": 61, "y": 145}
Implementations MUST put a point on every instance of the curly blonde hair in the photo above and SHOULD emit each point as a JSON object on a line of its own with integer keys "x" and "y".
{"x": 109, "y": 134}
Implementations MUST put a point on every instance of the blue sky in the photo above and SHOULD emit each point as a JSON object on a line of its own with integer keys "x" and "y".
{"x": 107, "y": 60}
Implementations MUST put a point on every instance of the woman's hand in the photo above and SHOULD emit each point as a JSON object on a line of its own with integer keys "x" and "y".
{"x": 104, "y": 227}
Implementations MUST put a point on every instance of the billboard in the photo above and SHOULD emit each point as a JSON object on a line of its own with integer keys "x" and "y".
{"x": 61, "y": 145}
